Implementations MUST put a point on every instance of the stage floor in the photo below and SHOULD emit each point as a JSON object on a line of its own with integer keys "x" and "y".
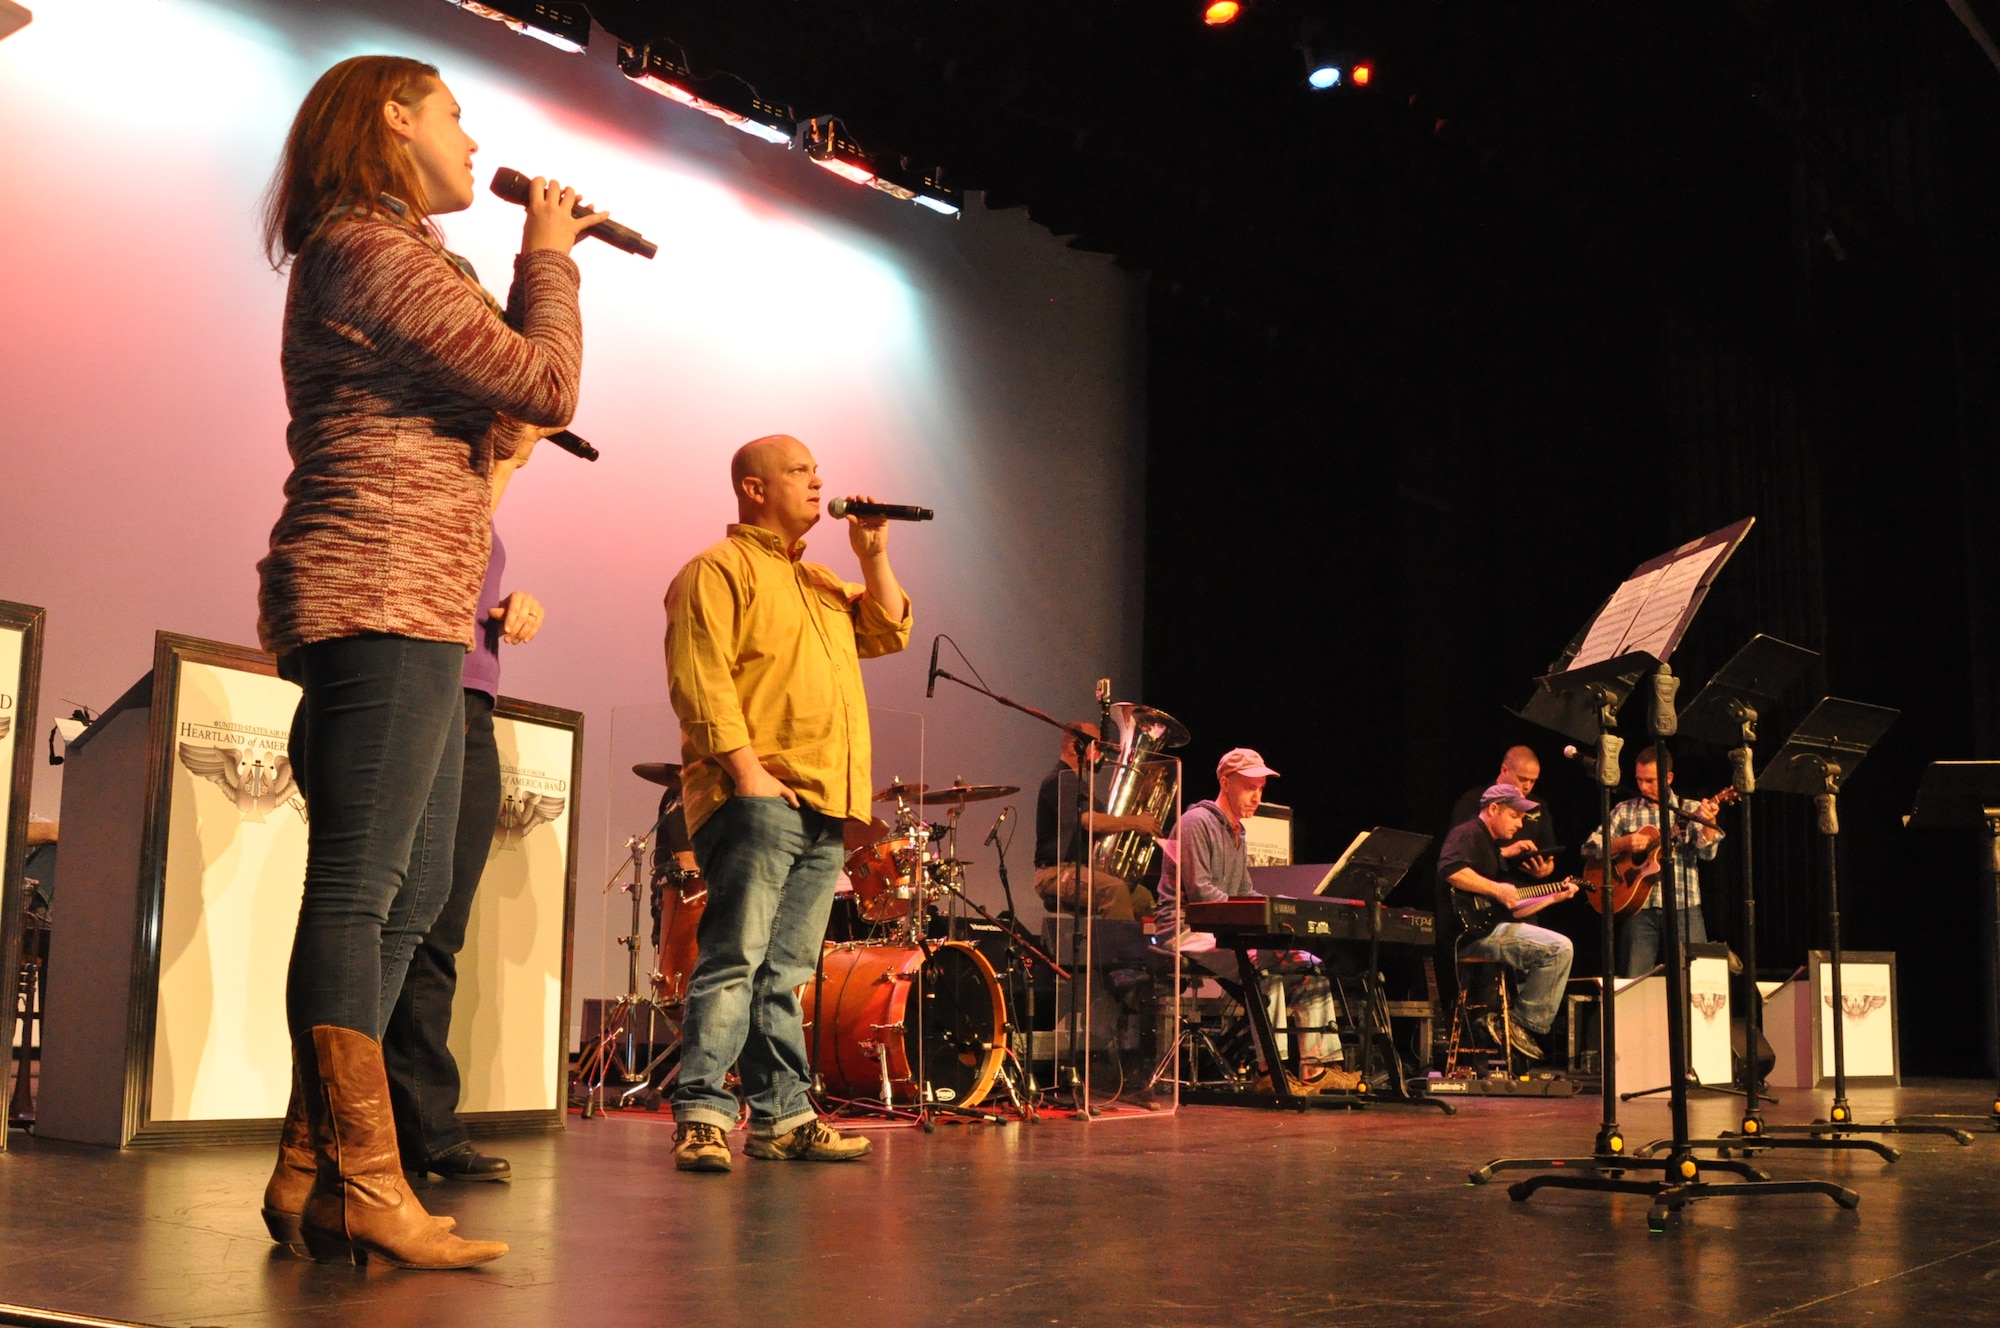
{"x": 1214, "y": 1216}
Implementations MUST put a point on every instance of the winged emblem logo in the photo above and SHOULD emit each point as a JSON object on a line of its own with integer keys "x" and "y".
{"x": 257, "y": 785}
{"x": 1710, "y": 1003}
{"x": 6, "y": 725}
{"x": 1858, "y": 1007}
{"x": 520, "y": 813}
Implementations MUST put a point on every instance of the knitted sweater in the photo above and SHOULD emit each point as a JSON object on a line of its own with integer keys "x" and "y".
{"x": 395, "y": 367}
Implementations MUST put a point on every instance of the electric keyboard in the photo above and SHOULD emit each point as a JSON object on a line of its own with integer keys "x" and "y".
{"x": 1255, "y": 920}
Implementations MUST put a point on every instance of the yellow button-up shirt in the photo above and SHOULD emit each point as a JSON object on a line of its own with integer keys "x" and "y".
{"x": 764, "y": 649}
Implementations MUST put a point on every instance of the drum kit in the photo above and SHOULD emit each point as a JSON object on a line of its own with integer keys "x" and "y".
{"x": 897, "y": 1023}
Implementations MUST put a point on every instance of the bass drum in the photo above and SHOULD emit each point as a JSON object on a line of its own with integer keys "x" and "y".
{"x": 681, "y": 900}
{"x": 863, "y": 1013}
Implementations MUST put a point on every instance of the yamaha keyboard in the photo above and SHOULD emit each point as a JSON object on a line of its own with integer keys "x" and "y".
{"x": 1255, "y": 920}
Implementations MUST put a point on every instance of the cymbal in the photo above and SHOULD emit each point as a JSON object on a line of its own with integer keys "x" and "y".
{"x": 658, "y": 772}
{"x": 961, "y": 794}
{"x": 899, "y": 791}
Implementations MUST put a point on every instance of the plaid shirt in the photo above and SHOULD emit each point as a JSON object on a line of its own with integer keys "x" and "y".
{"x": 1689, "y": 854}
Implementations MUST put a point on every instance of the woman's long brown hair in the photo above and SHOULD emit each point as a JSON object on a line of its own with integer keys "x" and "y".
{"x": 340, "y": 152}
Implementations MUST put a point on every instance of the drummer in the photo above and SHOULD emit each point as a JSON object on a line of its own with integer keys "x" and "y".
{"x": 1063, "y": 817}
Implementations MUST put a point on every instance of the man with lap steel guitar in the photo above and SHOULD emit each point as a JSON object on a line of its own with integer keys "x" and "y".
{"x": 1635, "y": 848}
{"x": 1490, "y": 910}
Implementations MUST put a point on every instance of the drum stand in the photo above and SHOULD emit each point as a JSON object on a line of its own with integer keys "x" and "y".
{"x": 621, "y": 1021}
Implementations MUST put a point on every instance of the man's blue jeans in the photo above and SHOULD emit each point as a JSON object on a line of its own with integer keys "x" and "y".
{"x": 1639, "y": 941}
{"x": 1542, "y": 958}
{"x": 771, "y": 869}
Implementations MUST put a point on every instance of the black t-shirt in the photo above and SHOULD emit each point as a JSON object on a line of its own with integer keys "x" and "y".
{"x": 1059, "y": 808}
{"x": 1468, "y": 845}
{"x": 1536, "y": 826}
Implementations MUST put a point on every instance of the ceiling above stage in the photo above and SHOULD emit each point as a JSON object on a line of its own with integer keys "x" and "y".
{"x": 1200, "y": 155}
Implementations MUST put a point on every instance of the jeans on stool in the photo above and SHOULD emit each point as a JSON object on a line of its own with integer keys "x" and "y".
{"x": 771, "y": 869}
{"x": 377, "y": 746}
{"x": 1542, "y": 958}
{"x": 423, "y": 1077}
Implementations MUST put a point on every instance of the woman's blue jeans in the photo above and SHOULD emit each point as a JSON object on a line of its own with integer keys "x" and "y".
{"x": 377, "y": 746}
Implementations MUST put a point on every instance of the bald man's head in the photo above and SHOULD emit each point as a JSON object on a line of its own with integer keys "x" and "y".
{"x": 1521, "y": 767}
{"x": 777, "y": 485}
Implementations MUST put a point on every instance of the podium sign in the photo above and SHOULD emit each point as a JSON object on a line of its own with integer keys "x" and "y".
{"x": 183, "y": 867}
{"x": 20, "y": 686}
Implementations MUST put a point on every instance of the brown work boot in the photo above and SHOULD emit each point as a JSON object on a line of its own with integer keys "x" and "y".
{"x": 815, "y": 1141}
{"x": 360, "y": 1207}
{"x": 292, "y": 1179}
{"x": 699, "y": 1146}
{"x": 1334, "y": 1079}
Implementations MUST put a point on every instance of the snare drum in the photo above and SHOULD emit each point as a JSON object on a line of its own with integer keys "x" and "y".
{"x": 864, "y": 1014}
{"x": 887, "y": 876}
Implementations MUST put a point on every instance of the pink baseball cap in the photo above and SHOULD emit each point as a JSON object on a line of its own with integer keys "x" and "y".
{"x": 1242, "y": 761}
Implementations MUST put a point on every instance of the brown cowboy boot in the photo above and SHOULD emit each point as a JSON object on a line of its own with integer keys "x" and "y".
{"x": 292, "y": 1179}
{"x": 360, "y": 1207}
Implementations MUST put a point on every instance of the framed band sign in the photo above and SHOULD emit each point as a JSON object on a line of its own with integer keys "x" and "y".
{"x": 20, "y": 685}
{"x": 181, "y": 889}
{"x": 510, "y": 1018}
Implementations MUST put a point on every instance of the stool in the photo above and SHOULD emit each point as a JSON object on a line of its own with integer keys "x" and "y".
{"x": 1465, "y": 1008}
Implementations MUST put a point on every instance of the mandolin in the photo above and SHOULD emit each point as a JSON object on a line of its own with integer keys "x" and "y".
{"x": 1633, "y": 875}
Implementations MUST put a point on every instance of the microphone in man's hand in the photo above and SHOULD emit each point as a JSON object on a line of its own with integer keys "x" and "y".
{"x": 841, "y": 507}
{"x": 513, "y": 186}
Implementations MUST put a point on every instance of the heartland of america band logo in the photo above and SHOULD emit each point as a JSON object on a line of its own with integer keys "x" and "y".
{"x": 1710, "y": 1003}
{"x": 247, "y": 763}
{"x": 6, "y": 720}
{"x": 1857, "y": 1007}
{"x": 530, "y": 798}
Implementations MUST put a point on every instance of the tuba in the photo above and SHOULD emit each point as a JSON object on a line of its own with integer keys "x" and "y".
{"x": 1140, "y": 785}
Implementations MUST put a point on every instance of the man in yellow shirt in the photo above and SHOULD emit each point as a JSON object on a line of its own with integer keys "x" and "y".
{"x": 763, "y": 654}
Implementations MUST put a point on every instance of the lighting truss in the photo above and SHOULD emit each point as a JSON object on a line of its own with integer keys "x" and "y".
{"x": 726, "y": 98}
{"x": 563, "y": 26}
{"x": 832, "y": 150}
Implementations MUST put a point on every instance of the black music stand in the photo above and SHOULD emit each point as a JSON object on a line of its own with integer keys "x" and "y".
{"x": 1954, "y": 794}
{"x": 1647, "y": 616}
{"x": 1726, "y": 712}
{"x": 1375, "y": 864}
{"x": 1815, "y": 762}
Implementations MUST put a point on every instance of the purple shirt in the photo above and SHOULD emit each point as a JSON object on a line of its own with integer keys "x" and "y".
{"x": 482, "y": 663}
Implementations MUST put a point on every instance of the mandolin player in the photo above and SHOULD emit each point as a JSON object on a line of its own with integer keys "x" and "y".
{"x": 1635, "y": 841}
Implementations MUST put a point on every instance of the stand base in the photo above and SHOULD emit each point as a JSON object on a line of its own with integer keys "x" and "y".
{"x": 1990, "y": 1121}
{"x": 1669, "y": 1195}
{"x": 1729, "y": 1142}
{"x": 1837, "y": 1128}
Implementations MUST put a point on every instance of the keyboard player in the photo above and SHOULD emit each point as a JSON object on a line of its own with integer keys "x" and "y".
{"x": 1207, "y": 861}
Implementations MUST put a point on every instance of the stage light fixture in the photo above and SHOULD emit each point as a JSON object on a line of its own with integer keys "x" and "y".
{"x": 722, "y": 96}
{"x": 830, "y": 149}
{"x": 563, "y": 26}
{"x": 1327, "y": 69}
{"x": 13, "y": 17}
{"x": 1221, "y": 13}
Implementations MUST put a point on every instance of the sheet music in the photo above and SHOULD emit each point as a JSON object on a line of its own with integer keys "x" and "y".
{"x": 1650, "y": 609}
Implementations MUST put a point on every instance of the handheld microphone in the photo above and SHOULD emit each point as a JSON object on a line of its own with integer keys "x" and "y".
{"x": 511, "y": 185}
{"x": 993, "y": 835}
{"x": 930, "y": 687}
{"x": 574, "y": 445}
{"x": 841, "y": 507}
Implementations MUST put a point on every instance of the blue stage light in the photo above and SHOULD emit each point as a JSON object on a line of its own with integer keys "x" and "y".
{"x": 1324, "y": 77}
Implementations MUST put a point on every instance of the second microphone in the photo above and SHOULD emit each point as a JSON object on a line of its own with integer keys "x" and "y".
{"x": 843, "y": 507}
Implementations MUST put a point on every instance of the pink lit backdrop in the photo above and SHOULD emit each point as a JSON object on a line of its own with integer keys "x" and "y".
{"x": 978, "y": 367}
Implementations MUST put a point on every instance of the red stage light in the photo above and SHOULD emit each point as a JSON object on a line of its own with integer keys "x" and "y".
{"x": 1360, "y": 75}
{"x": 1221, "y": 12}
